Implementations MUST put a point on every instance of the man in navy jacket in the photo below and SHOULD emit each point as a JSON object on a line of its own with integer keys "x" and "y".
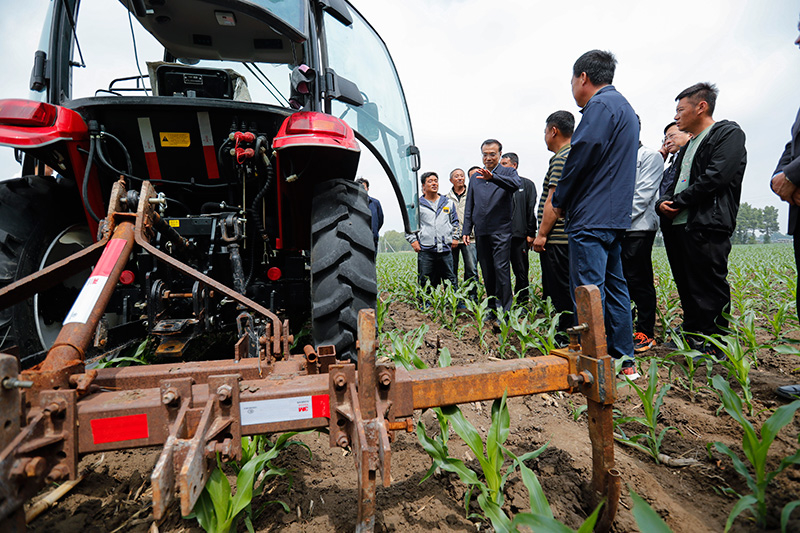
{"x": 488, "y": 211}
{"x": 786, "y": 184}
{"x": 595, "y": 193}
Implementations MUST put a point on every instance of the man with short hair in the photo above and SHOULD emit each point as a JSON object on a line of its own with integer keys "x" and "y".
{"x": 376, "y": 210}
{"x": 523, "y": 228}
{"x": 786, "y": 184}
{"x": 596, "y": 193}
{"x": 472, "y": 170}
{"x": 551, "y": 242}
{"x": 488, "y": 211}
{"x": 438, "y": 234}
{"x": 637, "y": 247}
{"x": 703, "y": 203}
{"x": 458, "y": 194}
{"x": 674, "y": 140}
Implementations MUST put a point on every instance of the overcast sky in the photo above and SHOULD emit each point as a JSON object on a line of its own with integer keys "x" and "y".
{"x": 475, "y": 69}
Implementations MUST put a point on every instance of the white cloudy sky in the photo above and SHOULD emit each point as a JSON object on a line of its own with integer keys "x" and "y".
{"x": 475, "y": 69}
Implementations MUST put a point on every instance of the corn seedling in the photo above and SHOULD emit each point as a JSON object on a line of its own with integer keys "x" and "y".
{"x": 505, "y": 323}
{"x": 755, "y": 449}
{"x": 491, "y": 457}
{"x": 480, "y": 310}
{"x": 142, "y": 355}
{"x": 737, "y": 361}
{"x": 692, "y": 359}
{"x": 778, "y": 321}
{"x": 406, "y": 345}
{"x": 652, "y": 398}
{"x": 218, "y": 509}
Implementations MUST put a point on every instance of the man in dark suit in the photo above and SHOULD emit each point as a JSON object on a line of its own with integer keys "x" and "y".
{"x": 786, "y": 184}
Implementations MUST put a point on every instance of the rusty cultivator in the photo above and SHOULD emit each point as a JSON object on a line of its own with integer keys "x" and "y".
{"x": 58, "y": 411}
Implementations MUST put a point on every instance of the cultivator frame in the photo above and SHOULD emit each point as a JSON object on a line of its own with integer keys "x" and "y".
{"x": 58, "y": 411}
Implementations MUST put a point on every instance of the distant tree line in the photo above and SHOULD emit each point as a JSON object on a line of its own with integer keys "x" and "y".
{"x": 393, "y": 241}
{"x": 752, "y": 221}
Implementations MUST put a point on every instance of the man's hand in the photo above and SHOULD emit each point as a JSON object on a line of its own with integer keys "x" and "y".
{"x": 559, "y": 212}
{"x": 784, "y": 188}
{"x": 415, "y": 246}
{"x": 454, "y": 244}
{"x": 530, "y": 241}
{"x": 483, "y": 174}
{"x": 669, "y": 211}
{"x": 538, "y": 243}
{"x": 466, "y": 239}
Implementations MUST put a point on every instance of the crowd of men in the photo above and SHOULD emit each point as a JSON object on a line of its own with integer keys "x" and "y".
{"x": 603, "y": 198}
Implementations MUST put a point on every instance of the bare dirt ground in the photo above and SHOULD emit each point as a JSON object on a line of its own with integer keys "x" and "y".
{"x": 115, "y": 495}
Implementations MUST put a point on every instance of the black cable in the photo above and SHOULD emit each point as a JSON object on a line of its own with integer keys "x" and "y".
{"x": 85, "y": 194}
{"x": 135, "y": 52}
{"x": 124, "y": 149}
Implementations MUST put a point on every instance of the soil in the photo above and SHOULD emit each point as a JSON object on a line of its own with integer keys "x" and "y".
{"x": 116, "y": 496}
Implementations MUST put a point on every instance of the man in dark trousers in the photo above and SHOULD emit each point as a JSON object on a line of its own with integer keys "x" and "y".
{"x": 523, "y": 228}
{"x": 703, "y": 203}
{"x": 786, "y": 184}
{"x": 488, "y": 211}
{"x": 551, "y": 243}
{"x": 596, "y": 193}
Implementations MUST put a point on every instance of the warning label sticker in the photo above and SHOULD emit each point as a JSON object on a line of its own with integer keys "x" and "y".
{"x": 284, "y": 409}
{"x": 172, "y": 139}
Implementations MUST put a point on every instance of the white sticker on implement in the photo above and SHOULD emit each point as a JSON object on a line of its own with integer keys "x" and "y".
{"x": 90, "y": 293}
{"x": 88, "y": 297}
{"x": 284, "y": 409}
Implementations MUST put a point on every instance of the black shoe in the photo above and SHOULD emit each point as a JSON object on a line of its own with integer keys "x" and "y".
{"x": 789, "y": 392}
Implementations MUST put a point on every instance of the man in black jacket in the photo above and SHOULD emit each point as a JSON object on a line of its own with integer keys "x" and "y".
{"x": 786, "y": 184}
{"x": 702, "y": 204}
{"x": 523, "y": 228}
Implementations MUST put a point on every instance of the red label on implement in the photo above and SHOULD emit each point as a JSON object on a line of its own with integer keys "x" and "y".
{"x": 119, "y": 428}
{"x": 109, "y": 258}
{"x": 321, "y": 406}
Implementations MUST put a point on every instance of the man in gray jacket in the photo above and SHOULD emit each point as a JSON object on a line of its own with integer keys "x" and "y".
{"x": 637, "y": 247}
{"x": 438, "y": 235}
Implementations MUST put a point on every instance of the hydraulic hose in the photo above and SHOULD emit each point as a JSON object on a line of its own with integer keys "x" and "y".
{"x": 85, "y": 192}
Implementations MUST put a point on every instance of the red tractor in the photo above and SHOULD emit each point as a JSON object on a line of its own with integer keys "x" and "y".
{"x": 246, "y": 132}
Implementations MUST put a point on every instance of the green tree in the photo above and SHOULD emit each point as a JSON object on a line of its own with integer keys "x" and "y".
{"x": 393, "y": 241}
{"x": 769, "y": 222}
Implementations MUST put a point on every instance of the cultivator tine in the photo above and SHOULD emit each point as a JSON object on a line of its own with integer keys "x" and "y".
{"x": 597, "y": 381}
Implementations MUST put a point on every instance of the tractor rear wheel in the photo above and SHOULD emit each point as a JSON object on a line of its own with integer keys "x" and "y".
{"x": 343, "y": 279}
{"x": 40, "y": 223}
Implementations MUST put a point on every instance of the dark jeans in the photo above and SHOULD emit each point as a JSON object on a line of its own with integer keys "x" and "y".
{"x": 470, "y": 264}
{"x": 436, "y": 267}
{"x": 555, "y": 281}
{"x": 637, "y": 265}
{"x": 494, "y": 252}
{"x": 520, "y": 267}
{"x": 595, "y": 259}
{"x": 700, "y": 269}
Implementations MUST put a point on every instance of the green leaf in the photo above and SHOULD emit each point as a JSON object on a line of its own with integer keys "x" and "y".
{"x": 738, "y": 465}
{"x": 495, "y": 514}
{"x": 219, "y": 491}
{"x": 588, "y": 524}
{"x": 787, "y": 350}
{"x": 464, "y": 429}
{"x": 782, "y": 416}
{"x": 786, "y": 513}
{"x": 646, "y": 518}
{"x": 744, "y": 503}
{"x": 539, "y": 504}
{"x": 540, "y": 524}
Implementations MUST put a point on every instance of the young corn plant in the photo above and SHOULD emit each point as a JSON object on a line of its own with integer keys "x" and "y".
{"x": 777, "y": 323}
{"x": 692, "y": 360}
{"x": 218, "y": 509}
{"x": 491, "y": 457}
{"x": 737, "y": 361}
{"x": 480, "y": 310}
{"x": 652, "y": 399}
{"x": 744, "y": 329}
{"x": 755, "y": 450}
{"x": 506, "y": 323}
{"x": 406, "y": 345}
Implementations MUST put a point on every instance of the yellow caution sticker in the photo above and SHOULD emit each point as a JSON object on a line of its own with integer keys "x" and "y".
{"x": 173, "y": 139}
{"x": 175, "y": 223}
